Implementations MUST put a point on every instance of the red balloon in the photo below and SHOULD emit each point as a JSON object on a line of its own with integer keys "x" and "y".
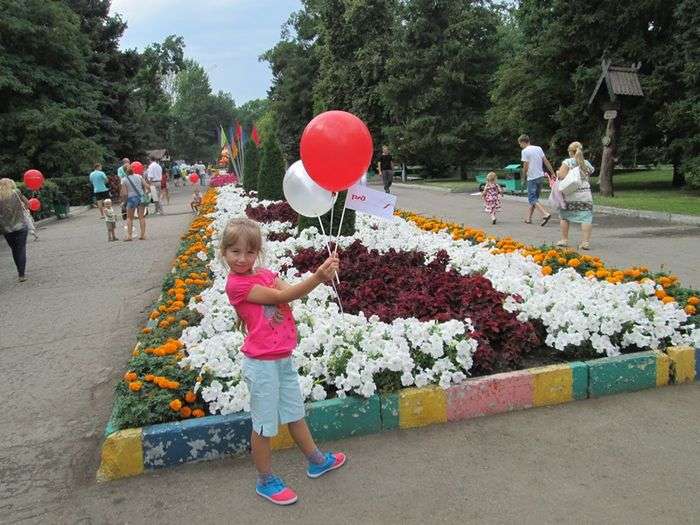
{"x": 34, "y": 204}
{"x": 194, "y": 178}
{"x": 137, "y": 167}
{"x": 33, "y": 179}
{"x": 336, "y": 149}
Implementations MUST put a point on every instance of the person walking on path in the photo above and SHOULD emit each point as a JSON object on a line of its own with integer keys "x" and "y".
{"x": 260, "y": 298}
{"x": 579, "y": 204}
{"x": 154, "y": 176}
{"x": 532, "y": 158}
{"x": 121, "y": 172}
{"x": 164, "y": 190}
{"x": 386, "y": 168}
{"x": 492, "y": 196}
{"x": 134, "y": 188}
{"x": 99, "y": 187}
{"x": 12, "y": 224}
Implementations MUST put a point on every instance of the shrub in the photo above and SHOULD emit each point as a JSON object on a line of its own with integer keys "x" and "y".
{"x": 691, "y": 171}
{"x": 271, "y": 170}
{"x": 252, "y": 165}
{"x": 400, "y": 285}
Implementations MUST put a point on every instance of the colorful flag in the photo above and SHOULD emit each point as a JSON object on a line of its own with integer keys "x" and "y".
{"x": 255, "y": 136}
{"x": 234, "y": 151}
{"x": 239, "y": 132}
{"x": 223, "y": 140}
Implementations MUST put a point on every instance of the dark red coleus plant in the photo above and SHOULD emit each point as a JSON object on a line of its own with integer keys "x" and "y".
{"x": 399, "y": 284}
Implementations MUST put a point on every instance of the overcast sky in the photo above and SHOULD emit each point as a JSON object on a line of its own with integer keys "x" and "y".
{"x": 225, "y": 36}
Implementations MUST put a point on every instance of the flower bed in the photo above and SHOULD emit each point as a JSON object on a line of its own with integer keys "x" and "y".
{"x": 421, "y": 307}
{"x": 222, "y": 180}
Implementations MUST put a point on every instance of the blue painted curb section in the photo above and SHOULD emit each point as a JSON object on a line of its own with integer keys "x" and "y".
{"x": 133, "y": 451}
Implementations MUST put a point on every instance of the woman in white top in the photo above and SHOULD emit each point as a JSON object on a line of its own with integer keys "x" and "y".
{"x": 579, "y": 204}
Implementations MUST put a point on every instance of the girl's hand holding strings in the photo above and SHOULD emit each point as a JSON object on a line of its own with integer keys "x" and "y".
{"x": 328, "y": 269}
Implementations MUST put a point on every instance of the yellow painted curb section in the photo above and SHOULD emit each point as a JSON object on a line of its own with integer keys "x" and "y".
{"x": 683, "y": 358}
{"x": 419, "y": 407}
{"x": 552, "y": 385}
{"x": 122, "y": 455}
{"x": 283, "y": 439}
{"x": 663, "y": 369}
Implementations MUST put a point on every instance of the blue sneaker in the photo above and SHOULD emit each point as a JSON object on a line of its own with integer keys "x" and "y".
{"x": 276, "y": 491}
{"x": 333, "y": 461}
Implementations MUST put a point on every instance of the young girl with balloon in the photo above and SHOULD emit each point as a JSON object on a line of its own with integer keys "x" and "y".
{"x": 261, "y": 300}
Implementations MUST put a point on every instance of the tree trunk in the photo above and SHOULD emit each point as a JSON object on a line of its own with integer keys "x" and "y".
{"x": 605, "y": 179}
{"x": 678, "y": 177}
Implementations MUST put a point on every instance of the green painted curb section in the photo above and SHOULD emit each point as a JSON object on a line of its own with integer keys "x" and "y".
{"x": 624, "y": 373}
{"x": 580, "y": 384}
{"x": 390, "y": 411}
{"x": 337, "y": 418}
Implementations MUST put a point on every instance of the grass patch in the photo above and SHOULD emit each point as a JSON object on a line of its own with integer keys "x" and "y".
{"x": 650, "y": 191}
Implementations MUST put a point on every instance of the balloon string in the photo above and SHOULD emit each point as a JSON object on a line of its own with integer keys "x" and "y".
{"x": 340, "y": 227}
{"x": 330, "y": 229}
{"x": 328, "y": 246}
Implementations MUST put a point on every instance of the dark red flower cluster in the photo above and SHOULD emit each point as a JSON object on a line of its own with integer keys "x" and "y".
{"x": 277, "y": 211}
{"x": 399, "y": 284}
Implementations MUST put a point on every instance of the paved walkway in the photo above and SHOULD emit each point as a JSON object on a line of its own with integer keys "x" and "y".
{"x": 620, "y": 241}
{"x": 66, "y": 336}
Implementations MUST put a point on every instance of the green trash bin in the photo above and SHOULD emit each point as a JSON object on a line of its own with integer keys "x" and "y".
{"x": 513, "y": 182}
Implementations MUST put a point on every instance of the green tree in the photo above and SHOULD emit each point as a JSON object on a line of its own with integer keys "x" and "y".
{"x": 197, "y": 114}
{"x": 294, "y": 64}
{"x": 252, "y": 166}
{"x": 49, "y": 108}
{"x": 272, "y": 170}
{"x": 439, "y": 74}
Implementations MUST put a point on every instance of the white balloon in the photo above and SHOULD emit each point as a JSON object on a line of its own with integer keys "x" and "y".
{"x": 305, "y": 196}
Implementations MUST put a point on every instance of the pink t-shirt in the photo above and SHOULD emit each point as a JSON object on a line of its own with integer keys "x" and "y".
{"x": 272, "y": 333}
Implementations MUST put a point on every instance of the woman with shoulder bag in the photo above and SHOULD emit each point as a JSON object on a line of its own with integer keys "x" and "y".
{"x": 135, "y": 192}
{"x": 575, "y": 184}
{"x": 13, "y": 225}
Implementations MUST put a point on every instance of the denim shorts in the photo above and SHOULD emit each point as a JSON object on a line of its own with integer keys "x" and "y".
{"x": 275, "y": 396}
{"x": 133, "y": 202}
{"x": 534, "y": 187}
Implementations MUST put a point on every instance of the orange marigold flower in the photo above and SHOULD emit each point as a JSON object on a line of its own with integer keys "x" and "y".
{"x": 693, "y": 300}
{"x": 175, "y": 405}
{"x": 668, "y": 299}
{"x": 546, "y": 270}
{"x": 146, "y": 330}
{"x": 661, "y": 294}
{"x": 135, "y": 386}
{"x": 198, "y": 412}
{"x": 574, "y": 263}
{"x": 130, "y": 376}
{"x": 190, "y": 396}
{"x": 148, "y": 377}
{"x": 185, "y": 412}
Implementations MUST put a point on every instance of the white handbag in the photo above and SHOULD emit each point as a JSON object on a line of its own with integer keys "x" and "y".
{"x": 571, "y": 182}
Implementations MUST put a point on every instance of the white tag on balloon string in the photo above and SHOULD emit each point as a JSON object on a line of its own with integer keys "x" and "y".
{"x": 364, "y": 199}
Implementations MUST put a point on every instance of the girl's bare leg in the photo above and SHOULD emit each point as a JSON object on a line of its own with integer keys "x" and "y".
{"x": 299, "y": 431}
{"x": 262, "y": 455}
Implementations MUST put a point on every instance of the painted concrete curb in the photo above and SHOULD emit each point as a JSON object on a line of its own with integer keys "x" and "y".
{"x": 134, "y": 451}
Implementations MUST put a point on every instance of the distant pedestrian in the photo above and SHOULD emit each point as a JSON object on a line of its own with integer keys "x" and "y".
{"x": 12, "y": 224}
{"x": 121, "y": 172}
{"x": 492, "y": 196}
{"x": 196, "y": 201}
{"x": 532, "y": 158}
{"x": 99, "y": 186}
{"x": 579, "y": 204}
{"x": 134, "y": 192}
{"x": 110, "y": 220}
{"x": 386, "y": 168}
{"x": 154, "y": 176}
{"x": 164, "y": 182}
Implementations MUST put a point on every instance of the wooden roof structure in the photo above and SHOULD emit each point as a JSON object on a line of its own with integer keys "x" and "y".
{"x": 619, "y": 80}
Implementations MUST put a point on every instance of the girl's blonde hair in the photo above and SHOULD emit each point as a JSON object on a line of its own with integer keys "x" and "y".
{"x": 491, "y": 176}
{"x": 7, "y": 188}
{"x": 241, "y": 228}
